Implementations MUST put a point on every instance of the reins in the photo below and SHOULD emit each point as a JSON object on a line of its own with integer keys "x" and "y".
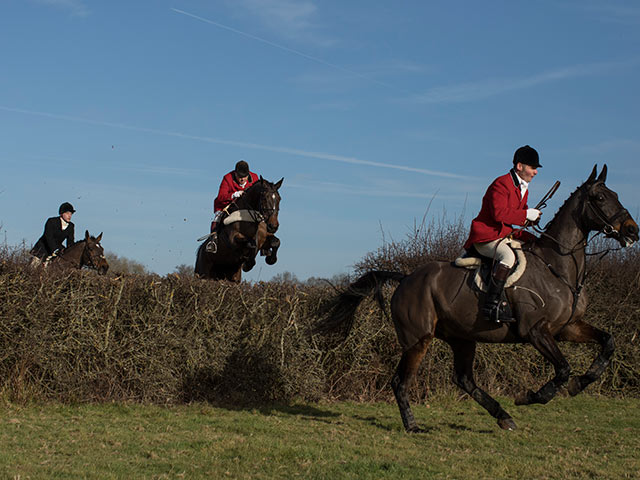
{"x": 62, "y": 256}
{"x": 543, "y": 202}
{"x": 241, "y": 203}
{"x": 259, "y": 215}
{"x": 607, "y": 229}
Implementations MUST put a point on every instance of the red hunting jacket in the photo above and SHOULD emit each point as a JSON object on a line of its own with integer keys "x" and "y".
{"x": 502, "y": 207}
{"x": 230, "y": 186}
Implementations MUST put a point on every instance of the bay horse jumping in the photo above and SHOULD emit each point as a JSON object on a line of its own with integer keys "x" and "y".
{"x": 249, "y": 228}
{"x": 438, "y": 301}
{"x": 85, "y": 253}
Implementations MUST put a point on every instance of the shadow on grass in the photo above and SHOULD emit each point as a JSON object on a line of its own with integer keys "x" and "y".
{"x": 375, "y": 422}
{"x": 251, "y": 380}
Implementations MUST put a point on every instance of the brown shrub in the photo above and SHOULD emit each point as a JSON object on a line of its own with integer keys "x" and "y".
{"x": 82, "y": 337}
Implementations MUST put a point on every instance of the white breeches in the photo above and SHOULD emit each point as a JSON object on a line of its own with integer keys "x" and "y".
{"x": 498, "y": 250}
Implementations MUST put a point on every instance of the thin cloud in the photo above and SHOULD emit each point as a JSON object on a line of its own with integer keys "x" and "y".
{"x": 609, "y": 12}
{"x": 333, "y": 187}
{"x": 332, "y": 106}
{"x": 256, "y": 146}
{"x": 293, "y": 19}
{"x": 619, "y": 145}
{"x": 141, "y": 167}
{"x": 468, "y": 92}
{"x": 76, "y": 7}
{"x": 286, "y": 49}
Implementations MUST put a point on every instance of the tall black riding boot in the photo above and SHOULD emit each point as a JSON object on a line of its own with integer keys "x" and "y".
{"x": 212, "y": 244}
{"x": 496, "y": 308}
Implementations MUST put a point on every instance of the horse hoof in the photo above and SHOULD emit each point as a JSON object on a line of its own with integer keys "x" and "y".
{"x": 507, "y": 424}
{"x": 247, "y": 266}
{"x": 271, "y": 260}
{"x": 574, "y": 386}
{"x": 415, "y": 429}
{"x": 523, "y": 398}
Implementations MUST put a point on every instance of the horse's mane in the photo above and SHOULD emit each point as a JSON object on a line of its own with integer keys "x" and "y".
{"x": 565, "y": 206}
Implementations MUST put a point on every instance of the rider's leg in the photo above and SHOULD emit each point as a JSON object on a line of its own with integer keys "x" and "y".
{"x": 495, "y": 307}
{"x": 212, "y": 244}
{"x": 35, "y": 261}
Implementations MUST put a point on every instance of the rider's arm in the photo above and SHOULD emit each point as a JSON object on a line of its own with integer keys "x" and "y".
{"x": 70, "y": 235}
{"x": 501, "y": 210}
{"x": 224, "y": 194}
{"x": 49, "y": 234}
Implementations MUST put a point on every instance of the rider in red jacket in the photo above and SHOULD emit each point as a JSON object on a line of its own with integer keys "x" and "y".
{"x": 503, "y": 205}
{"x": 232, "y": 187}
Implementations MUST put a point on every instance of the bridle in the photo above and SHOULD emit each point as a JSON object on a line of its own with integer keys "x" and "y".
{"x": 607, "y": 229}
{"x": 261, "y": 214}
{"x": 86, "y": 258}
{"x": 87, "y": 255}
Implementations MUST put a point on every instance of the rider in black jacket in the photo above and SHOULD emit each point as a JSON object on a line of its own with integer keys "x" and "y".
{"x": 56, "y": 231}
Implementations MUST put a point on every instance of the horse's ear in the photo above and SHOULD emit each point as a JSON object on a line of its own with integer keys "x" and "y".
{"x": 592, "y": 177}
{"x": 603, "y": 174}
{"x": 99, "y": 238}
{"x": 261, "y": 179}
{"x": 86, "y": 235}
{"x": 279, "y": 183}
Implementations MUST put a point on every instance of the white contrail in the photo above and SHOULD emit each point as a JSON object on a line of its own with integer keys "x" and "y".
{"x": 256, "y": 146}
{"x": 287, "y": 49}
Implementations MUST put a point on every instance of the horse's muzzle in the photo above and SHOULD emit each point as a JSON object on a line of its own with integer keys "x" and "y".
{"x": 102, "y": 267}
{"x": 272, "y": 228}
{"x": 628, "y": 233}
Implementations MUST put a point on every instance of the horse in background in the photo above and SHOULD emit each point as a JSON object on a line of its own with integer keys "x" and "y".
{"x": 438, "y": 300}
{"x": 85, "y": 253}
{"x": 248, "y": 228}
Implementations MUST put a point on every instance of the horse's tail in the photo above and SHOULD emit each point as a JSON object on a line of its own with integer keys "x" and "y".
{"x": 339, "y": 312}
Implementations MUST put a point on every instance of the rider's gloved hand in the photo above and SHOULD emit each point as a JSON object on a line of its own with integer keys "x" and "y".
{"x": 533, "y": 214}
{"x": 237, "y": 194}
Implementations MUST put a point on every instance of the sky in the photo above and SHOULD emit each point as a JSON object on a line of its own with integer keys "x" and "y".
{"x": 375, "y": 113}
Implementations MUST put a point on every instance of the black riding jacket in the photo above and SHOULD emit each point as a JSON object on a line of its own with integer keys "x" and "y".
{"x": 52, "y": 238}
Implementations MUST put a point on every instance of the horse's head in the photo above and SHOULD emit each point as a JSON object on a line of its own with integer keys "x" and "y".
{"x": 93, "y": 254}
{"x": 603, "y": 211}
{"x": 269, "y": 203}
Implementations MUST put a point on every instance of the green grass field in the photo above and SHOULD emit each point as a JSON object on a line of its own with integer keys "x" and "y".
{"x": 582, "y": 437}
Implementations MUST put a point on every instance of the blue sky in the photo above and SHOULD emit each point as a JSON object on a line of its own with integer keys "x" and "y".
{"x": 372, "y": 111}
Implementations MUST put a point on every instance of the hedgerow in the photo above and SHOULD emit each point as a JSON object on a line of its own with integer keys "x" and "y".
{"x": 80, "y": 337}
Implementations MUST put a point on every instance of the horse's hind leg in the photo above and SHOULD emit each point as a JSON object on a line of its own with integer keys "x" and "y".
{"x": 464, "y": 352}
{"x": 581, "y": 332}
{"x": 402, "y": 379}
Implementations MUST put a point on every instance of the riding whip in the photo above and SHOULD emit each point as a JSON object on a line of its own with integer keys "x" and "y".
{"x": 543, "y": 202}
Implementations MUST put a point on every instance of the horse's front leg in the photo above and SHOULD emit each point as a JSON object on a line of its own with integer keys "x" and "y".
{"x": 581, "y": 332}
{"x": 540, "y": 337}
{"x": 273, "y": 243}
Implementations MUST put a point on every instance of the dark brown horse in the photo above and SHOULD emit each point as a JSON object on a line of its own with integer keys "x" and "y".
{"x": 86, "y": 253}
{"x": 249, "y": 228}
{"x": 438, "y": 301}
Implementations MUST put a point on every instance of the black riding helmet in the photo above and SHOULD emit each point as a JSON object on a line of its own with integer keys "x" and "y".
{"x": 527, "y": 156}
{"x": 242, "y": 169}
{"x": 66, "y": 207}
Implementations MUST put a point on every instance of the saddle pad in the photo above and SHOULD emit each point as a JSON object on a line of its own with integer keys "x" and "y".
{"x": 242, "y": 216}
{"x": 473, "y": 263}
